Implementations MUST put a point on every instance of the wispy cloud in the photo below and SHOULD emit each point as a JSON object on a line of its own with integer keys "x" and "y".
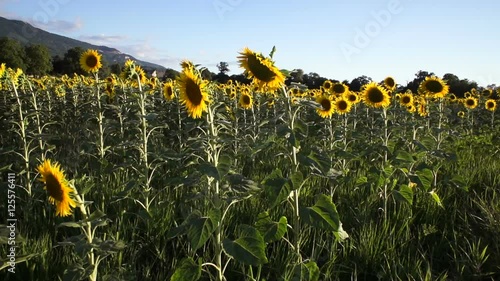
{"x": 103, "y": 39}
{"x": 59, "y": 26}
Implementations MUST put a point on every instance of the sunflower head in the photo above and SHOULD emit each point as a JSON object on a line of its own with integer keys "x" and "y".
{"x": 390, "y": 83}
{"x": 461, "y": 114}
{"x": 57, "y": 187}
{"x": 246, "y": 100}
{"x": 339, "y": 89}
{"x": 352, "y": 97}
{"x": 193, "y": 92}
{"x": 342, "y": 105}
{"x": 327, "y": 85}
{"x": 90, "y": 61}
{"x": 406, "y": 99}
{"x": 411, "y": 108}
{"x": 491, "y": 105}
{"x": 261, "y": 70}
{"x": 486, "y": 93}
{"x": 375, "y": 96}
{"x": 433, "y": 87}
{"x": 168, "y": 90}
{"x": 452, "y": 97}
{"x": 470, "y": 102}
{"x": 326, "y": 108}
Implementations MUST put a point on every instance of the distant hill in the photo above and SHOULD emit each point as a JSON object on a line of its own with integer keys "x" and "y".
{"x": 58, "y": 45}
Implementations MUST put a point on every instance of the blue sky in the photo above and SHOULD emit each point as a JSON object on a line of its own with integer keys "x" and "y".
{"x": 338, "y": 39}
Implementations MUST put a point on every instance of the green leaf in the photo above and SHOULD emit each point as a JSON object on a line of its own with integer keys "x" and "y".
{"x": 187, "y": 271}
{"x": 436, "y": 198}
{"x": 425, "y": 178}
{"x": 404, "y": 156}
{"x": 249, "y": 248}
{"x": 209, "y": 169}
{"x": 323, "y": 215}
{"x": 296, "y": 180}
{"x": 306, "y": 272}
{"x": 224, "y": 165}
{"x": 70, "y": 224}
{"x": 272, "y": 231}
{"x": 200, "y": 230}
{"x": 276, "y": 188}
{"x": 404, "y": 194}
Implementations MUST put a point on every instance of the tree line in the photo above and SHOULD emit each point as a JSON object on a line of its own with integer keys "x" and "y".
{"x": 36, "y": 60}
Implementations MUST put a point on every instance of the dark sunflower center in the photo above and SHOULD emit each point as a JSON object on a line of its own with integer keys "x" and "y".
{"x": 259, "y": 70}
{"x": 326, "y": 104}
{"x": 342, "y": 105}
{"x": 353, "y": 98}
{"x": 246, "y": 99}
{"x": 53, "y": 187}
{"x": 193, "y": 92}
{"x": 375, "y": 95}
{"x": 470, "y": 102}
{"x": 406, "y": 100}
{"x": 91, "y": 61}
{"x": 338, "y": 88}
{"x": 434, "y": 86}
{"x": 490, "y": 104}
{"x": 170, "y": 92}
{"x": 327, "y": 85}
{"x": 389, "y": 82}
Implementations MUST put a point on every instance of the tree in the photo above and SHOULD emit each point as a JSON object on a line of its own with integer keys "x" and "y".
{"x": 223, "y": 67}
{"x": 415, "y": 83}
{"x": 38, "y": 60}
{"x": 12, "y": 53}
{"x": 357, "y": 83}
{"x": 171, "y": 74}
{"x": 297, "y": 75}
{"x": 70, "y": 63}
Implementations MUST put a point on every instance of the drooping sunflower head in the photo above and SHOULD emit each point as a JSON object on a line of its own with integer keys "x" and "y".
{"x": 90, "y": 61}
{"x": 342, "y": 106}
{"x": 193, "y": 92}
{"x": 433, "y": 87}
{"x": 390, "y": 83}
{"x": 411, "y": 108}
{"x": 261, "y": 70}
{"x": 57, "y": 187}
{"x": 168, "y": 90}
{"x": 491, "y": 105}
{"x": 375, "y": 96}
{"x": 406, "y": 99}
{"x": 326, "y": 108}
{"x": 246, "y": 100}
{"x": 470, "y": 102}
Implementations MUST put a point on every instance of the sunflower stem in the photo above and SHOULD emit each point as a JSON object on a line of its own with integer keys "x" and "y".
{"x": 144, "y": 148}
{"x": 100, "y": 118}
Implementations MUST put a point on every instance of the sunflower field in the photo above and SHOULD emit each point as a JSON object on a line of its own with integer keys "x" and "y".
{"x": 128, "y": 177}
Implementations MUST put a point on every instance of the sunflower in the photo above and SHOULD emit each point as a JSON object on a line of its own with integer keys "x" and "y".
{"x": 486, "y": 93}
{"x": 261, "y": 70}
{"x": 470, "y": 102}
{"x": 411, "y": 108}
{"x": 491, "y": 105}
{"x": 57, "y": 187}
{"x": 327, "y": 108}
{"x": 434, "y": 87}
{"x": 327, "y": 85}
{"x": 339, "y": 89}
{"x": 406, "y": 99}
{"x": 246, "y": 100}
{"x": 168, "y": 91}
{"x": 452, "y": 98}
{"x": 390, "y": 83}
{"x": 90, "y": 61}
{"x": 352, "y": 97}
{"x": 461, "y": 114}
{"x": 342, "y": 105}
{"x": 193, "y": 92}
{"x": 2, "y": 70}
{"x": 375, "y": 96}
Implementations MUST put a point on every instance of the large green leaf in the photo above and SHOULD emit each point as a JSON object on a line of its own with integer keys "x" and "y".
{"x": 271, "y": 230}
{"x": 276, "y": 188}
{"x": 201, "y": 229}
{"x": 323, "y": 215}
{"x": 249, "y": 248}
{"x": 404, "y": 194}
{"x": 296, "y": 180}
{"x": 425, "y": 178}
{"x": 187, "y": 271}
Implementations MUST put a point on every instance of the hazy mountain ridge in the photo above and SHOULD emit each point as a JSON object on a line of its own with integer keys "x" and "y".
{"x": 58, "y": 44}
